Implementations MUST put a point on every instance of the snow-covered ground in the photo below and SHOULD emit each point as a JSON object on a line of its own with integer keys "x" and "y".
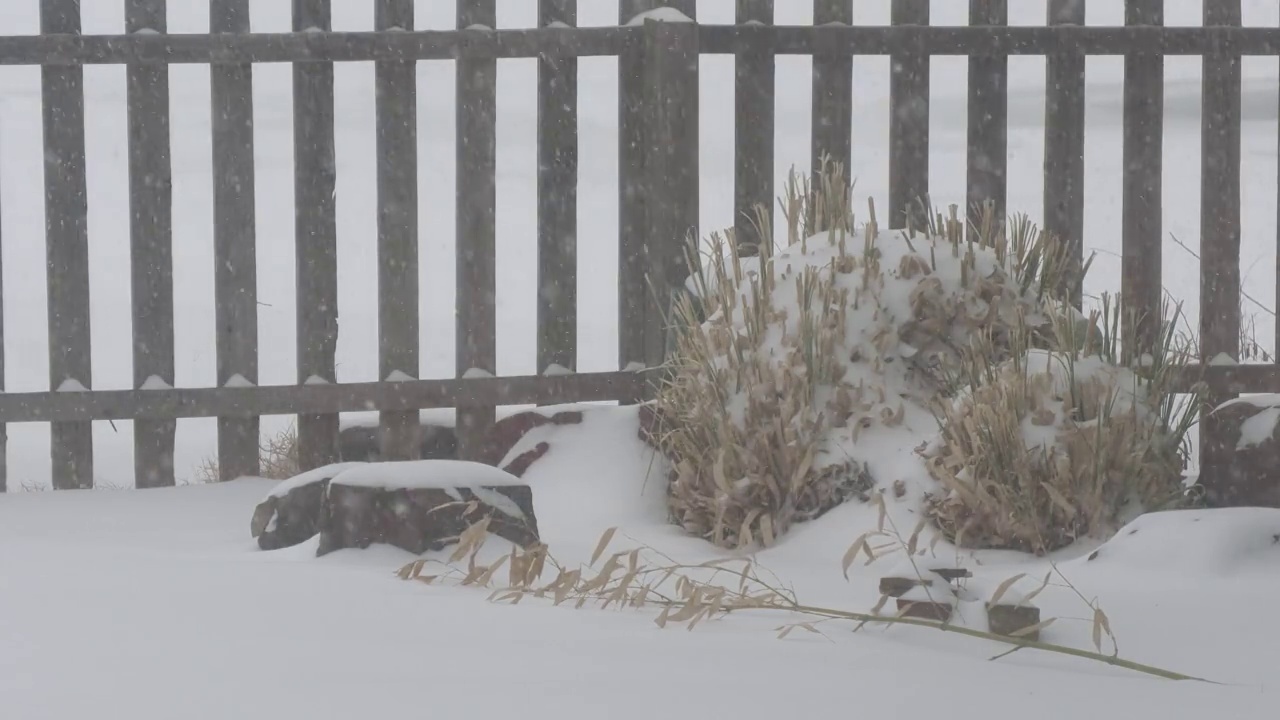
{"x": 157, "y": 604}
{"x": 23, "y": 219}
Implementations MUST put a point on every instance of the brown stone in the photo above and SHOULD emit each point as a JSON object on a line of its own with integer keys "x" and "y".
{"x": 419, "y": 519}
{"x": 1009, "y": 619}
{"x": 899, "y": 586}
{"x": 508, "y": 431}
{"x": 293, "y": 517}
{"x": 520, "y": 464}
{"x": 1235, "y": 477}
{"x": 925, "y": 610}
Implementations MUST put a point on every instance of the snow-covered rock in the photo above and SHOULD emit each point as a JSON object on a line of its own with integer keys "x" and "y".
{"x": 423, "y": 505}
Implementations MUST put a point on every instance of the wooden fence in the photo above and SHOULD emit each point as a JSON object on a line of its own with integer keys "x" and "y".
{"x": 658, "y": 190}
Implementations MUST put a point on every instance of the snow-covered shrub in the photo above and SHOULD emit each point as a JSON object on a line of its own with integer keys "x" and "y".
{"x": 1056, "y": 444}
{"x": 794, "y": 369}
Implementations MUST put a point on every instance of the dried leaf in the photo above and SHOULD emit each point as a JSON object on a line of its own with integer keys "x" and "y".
{"x": 766, "y": 530}
{"x": 1003, "y": 588}
{"x": 914, "y": 540}
{"x": 1028, "y": 630}
{"x": 852, "y": 554}
{"x": 605, "y": 539}
{"x": 661, "y": 620}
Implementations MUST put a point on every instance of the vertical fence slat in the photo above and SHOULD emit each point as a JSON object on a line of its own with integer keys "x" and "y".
{"x": 316, "y": 235}
{"x": 988, "y": 118}
{"x": 476, "y": 170}
{"x": 67, "y": 245}
{"x": 832, "y": 124}
{"x": 1141, "y": 191}
{"x": 234, "y": 239}
{"x": 671, "y": 166}
{"x": 633, "y": 293}
{"x": 1220, "y": 193}
{"x": 557, "y": 197}
{"x": 397, "y": 147}
{"x": 753, "y": 129}
{"x": 4, "y": 430}
{"x": 909, "y": 120}
{"x": 1220, "y": 135}
{"x": 151, "y": 243}
{"x": 1064, "y": 140}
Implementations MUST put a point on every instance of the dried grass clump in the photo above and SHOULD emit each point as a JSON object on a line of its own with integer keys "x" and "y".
{"x": 744, "y": 428}
{"x": 277, "y": 458}
{"x": 1016, "y": 279}
{"x": 693, "y": 593}
{"x": 1054, "y": 445}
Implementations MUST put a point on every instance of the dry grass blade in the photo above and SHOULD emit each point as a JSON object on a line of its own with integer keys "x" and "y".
{"x": 1003, "y": 588}
{"x": 605, "y": 539}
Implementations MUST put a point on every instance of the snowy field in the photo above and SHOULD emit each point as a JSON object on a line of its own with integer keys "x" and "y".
{"x": 158, "y": 604}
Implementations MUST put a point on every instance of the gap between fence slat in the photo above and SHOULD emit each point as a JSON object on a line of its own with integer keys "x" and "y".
{"x": 557, "y": 198}
{"x": 1064, "y": 141}
{"x": 315, "y": 177}
{"x": 832, "y": 117}
{"x": 67, "y": 246}
{"x": 151, "y": 243}
{"x": 476, "y": 170}
{"x": 234, "y": 240}
{"x": 909, "y": 120}
{"x": 753, "y": 129}
{"x": 397, "y": 148}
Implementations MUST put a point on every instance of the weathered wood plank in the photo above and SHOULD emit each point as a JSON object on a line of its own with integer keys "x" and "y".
{"x": 557, "y": 197}
{"x": 607, "y": 41}
{"x": 909, "y": 131}
{"x": 832, "y": 117}
{"x": 397, "y": 146}
{"x": 234, "y": 240}
{"x": 632, "y": 292}
{"x": 316, "y": 235}
{"x": 4, "y": 430}
{"x": 1064, "y": 140}
{"x": 67, "y": 246}
{"x": 476, "y": 182}
{"x": 1220, "y": 135}
{"x": 1220, "y": 193}
{"x": 151, "y": 243}
{"x": 1141, "y": 184}
{"x": 753, "y": 127}
{"x": 671, "y": 167}
{"x": 987, "y": 148}
{"x": 324, "y": 399}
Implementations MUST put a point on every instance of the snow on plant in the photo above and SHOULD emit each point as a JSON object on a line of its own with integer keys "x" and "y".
{"x": 1056, "y": 444}
{"x": 786, "y": 362}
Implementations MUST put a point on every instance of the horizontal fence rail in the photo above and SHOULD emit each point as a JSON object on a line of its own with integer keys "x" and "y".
{"x": 318, "y": 46}
{"x": 658, "y": 180}
{"x": 319, "y": 398}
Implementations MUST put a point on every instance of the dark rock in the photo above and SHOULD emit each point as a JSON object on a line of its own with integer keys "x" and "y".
{"x": 360, "y": 443}
{"x": 1008, "y": 620}
{"x": 925, "y": 610}
{"x": 1232, "y": 476}
{"x": 422, "y": 518}
{"x": 289, "y": 517}
{"x": 508, "y": 431}
{"x": 899, "y": 586}
{"x": 520, "y": 464}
